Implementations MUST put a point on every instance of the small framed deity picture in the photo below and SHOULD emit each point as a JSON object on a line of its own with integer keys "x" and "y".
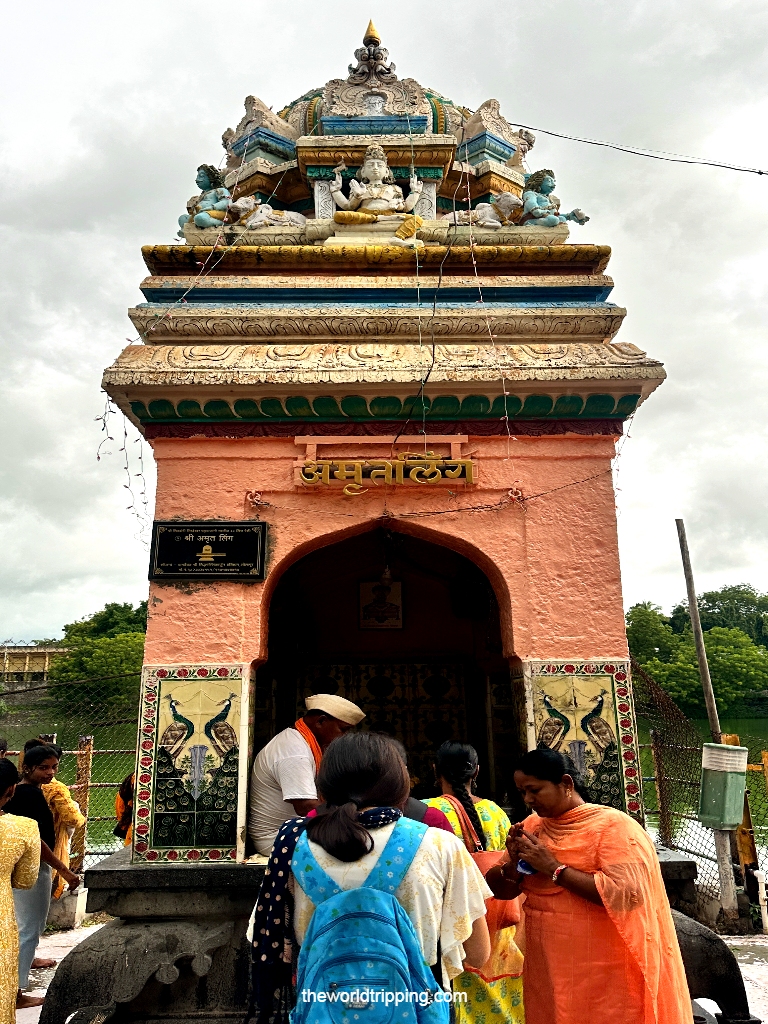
{"x": 381, "y": 605}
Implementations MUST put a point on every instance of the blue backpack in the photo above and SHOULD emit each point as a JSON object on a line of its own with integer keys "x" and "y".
{"x": 361, "y": 962}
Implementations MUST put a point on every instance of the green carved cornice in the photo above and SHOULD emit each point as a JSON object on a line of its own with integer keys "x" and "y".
{"x": 357, "y": 408}
{"x": 316, "y": 173}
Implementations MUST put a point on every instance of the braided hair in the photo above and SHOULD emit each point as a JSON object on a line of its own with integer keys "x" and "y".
{"x": 457, "y": 764}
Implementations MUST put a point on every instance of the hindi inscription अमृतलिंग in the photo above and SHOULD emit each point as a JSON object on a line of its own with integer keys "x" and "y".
{"x": 406, "y": 468}
{"x": 205, "y": 550}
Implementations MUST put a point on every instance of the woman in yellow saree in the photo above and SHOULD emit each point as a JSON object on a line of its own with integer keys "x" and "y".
{"x": 493, "y": 992}
{"x": 600, "y": 943}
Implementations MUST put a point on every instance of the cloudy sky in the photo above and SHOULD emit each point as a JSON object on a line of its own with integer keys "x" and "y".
{"x": 109, "y": 108}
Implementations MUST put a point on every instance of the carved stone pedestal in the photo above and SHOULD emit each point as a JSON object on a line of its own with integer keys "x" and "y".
{"x": 177, "y": 950}
{"x": 377, "y": 233}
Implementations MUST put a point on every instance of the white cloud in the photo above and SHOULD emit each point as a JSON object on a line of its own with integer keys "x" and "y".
{"x": 107, "y": 115}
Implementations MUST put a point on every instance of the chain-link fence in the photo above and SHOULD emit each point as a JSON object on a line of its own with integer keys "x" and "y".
{"x": 95, "y": 721}
{"x": 670, "y": 755}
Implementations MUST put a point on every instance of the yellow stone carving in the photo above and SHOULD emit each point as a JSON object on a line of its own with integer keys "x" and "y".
{"x": 421, "y": 468}
{"x": 371, "y": 37}
{"x": 259, "y": 259}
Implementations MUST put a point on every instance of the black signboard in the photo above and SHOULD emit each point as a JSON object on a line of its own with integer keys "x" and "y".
{"x": 207, "y": 551}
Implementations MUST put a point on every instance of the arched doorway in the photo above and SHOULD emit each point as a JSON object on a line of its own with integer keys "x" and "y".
{"x": 408, "y": 630}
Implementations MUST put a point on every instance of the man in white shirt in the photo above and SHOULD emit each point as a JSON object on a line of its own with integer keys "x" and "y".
{"x": 284, "y": 771}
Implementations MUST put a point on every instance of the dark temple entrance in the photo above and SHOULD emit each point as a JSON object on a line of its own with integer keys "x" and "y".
{"x": 418, "y": 649}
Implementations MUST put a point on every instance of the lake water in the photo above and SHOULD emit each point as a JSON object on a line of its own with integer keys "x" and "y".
{"x": 755, "y": 728}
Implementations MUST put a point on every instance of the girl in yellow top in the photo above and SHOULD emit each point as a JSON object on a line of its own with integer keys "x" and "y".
{"x": 19, "y": 865}
{"x": 456, "y": 767}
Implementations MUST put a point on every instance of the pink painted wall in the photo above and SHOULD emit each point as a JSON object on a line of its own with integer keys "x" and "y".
{"x": 553, "y": 562}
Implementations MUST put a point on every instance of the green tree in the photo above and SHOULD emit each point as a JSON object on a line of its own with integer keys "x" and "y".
{"x": 734, "y": 607}
{"x": 737, "y": 666}
{"x": 92, "y": 665}
{"x": 113, "y": 620}
{"x": 649, "y": 633}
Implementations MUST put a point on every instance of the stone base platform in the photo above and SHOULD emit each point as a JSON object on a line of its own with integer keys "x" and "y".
{"x": 177, "y": 950}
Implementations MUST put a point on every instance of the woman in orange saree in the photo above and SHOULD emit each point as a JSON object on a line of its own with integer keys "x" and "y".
{"x": 600, "y": 943}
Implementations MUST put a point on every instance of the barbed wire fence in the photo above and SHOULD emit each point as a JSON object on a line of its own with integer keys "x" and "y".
{"x": 95, "y": 721}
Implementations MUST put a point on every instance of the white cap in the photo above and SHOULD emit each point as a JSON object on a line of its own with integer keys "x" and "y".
{"x": 336, "y": 707}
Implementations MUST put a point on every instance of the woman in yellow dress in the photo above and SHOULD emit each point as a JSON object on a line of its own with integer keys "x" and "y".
{"x": 456, "y": 768}
{"x": 19, "y": 865}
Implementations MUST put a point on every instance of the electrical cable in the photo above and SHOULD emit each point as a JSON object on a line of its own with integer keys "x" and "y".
{"x": 651, "y": 154}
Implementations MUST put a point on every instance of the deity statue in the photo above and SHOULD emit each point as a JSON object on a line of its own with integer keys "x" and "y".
{"x": 252, "y": 214}
{"x": 374, "y": 197}
{"x": 208, "y": 209}
{"x": 540, "y": 207}
{"x": 503, "y": 211}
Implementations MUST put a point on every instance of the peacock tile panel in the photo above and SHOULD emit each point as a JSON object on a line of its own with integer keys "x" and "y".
{"x": 584, "y": 709}
{"x": 186, "y": 803}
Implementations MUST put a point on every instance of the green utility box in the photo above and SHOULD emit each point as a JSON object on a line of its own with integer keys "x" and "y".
{"x": 723, "y": 780}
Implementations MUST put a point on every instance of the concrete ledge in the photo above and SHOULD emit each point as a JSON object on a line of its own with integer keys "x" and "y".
{"x": 154, "y": 891}
{"x": 69, "y": 910}
{"x": 676, "y": 867}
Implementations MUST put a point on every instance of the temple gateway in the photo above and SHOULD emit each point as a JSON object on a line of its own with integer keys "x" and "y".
{"x": 383, "y": 385}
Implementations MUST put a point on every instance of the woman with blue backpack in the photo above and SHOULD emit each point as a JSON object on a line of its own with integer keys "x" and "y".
{"x": 363, "y": 908}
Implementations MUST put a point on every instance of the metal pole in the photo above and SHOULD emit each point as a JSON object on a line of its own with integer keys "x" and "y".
{"x": 82, "y": 794}
{"x": 698, "y": 636}
{"x": 722, "y": 836}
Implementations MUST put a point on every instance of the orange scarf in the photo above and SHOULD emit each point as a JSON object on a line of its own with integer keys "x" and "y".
{"x": 309, "y": 736}
{"x": 621, "y": 858}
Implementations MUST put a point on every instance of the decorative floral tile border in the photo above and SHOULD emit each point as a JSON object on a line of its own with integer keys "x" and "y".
{"x": 152, "y": 678}
{"x": 626, "y": 725}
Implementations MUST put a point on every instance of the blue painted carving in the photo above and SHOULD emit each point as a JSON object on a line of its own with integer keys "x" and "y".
{"x": 485, "y": 146}
{"x": 516, "y": 296}
{"x": 266, "y": 144}
{"x": 387, "y": 124}
{"x": 209, "y": 209}
{"x": 540, "y": 207}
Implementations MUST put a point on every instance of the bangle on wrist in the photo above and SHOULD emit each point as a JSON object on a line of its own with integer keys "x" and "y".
{"x": 558, "y": 871}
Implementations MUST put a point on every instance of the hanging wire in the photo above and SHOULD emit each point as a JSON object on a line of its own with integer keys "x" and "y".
{"x": 650, "y": 154}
